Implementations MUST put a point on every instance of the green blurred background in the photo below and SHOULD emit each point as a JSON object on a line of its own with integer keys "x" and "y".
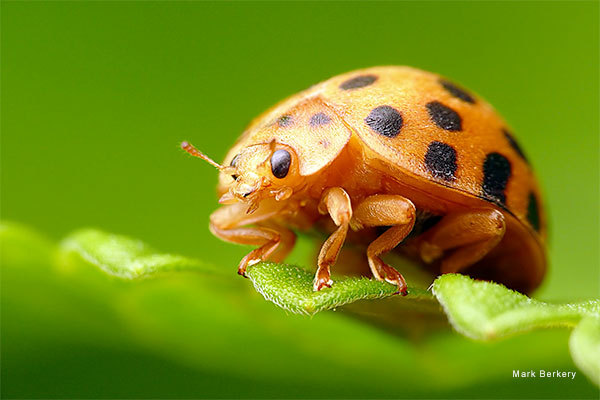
{"x": 96, "y": 98}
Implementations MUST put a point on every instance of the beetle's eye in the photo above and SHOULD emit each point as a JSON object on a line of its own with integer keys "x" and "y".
{"x": 234, "y": 165}
{"x": 234, "y": 160}
{"x": 280, "y": 163}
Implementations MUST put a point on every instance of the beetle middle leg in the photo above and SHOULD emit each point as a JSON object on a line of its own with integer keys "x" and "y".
{"x": 274, "y": 241}
{"x": 467, "y": 235}
{"x": 385, "y": 210}
{"x": 336, "y": 202}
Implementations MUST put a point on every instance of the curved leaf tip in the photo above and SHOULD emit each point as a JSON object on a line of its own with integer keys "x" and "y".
{"x": 585, "y": 347}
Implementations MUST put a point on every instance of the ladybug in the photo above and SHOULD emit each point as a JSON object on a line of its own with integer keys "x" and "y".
{"x": 404, "y": 157}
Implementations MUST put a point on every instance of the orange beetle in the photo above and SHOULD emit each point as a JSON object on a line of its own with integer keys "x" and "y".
{"x": 386, "y": 147}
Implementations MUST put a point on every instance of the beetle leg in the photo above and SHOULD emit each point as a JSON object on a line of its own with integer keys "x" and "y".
{"x": 335, "y": 202}
{"x": 385, "y": 210}
{"x": 228, "y": 223}
{"x": 287, "y": 240}
{"x": 470, "y": 234}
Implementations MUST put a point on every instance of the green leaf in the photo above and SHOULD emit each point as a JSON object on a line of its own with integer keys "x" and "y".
{"x": 22, "y": 245}
{"x": 486, "y": 310}
{"x": 288, "y": 286}
{"x": 291, "y": 288}
{"x": 124, "y": 257}
{"x": 585, "y": 347}
{"x": 114, "y": 299}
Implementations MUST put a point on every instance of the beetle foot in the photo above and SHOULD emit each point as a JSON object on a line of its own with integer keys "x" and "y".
{"x": 250, "y": 259}
{"x": 322, "y": 279}
{"x": 322, "y": 283}
{"x": 390, "y": 275}
{"x": 395, "y": 278}
{"x": 242, "y": 271}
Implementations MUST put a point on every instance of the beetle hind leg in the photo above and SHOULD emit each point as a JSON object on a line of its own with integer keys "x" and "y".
{"x": 461, "y": 239}
{"x": 385, "y": 210}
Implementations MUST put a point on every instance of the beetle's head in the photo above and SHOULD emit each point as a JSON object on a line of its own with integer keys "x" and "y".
{"x": 266, "y": 170}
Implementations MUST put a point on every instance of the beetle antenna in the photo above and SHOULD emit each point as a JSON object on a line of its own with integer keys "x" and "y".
{"x": 197, "y": 153}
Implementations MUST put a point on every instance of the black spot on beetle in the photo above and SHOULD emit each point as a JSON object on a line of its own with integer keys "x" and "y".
{"x": 513, "y": 143}
{"x": 385, "y": 120}
{"x": 457, "y": 92}
{"x": 533, "y": 212}
{"x": 319, "y": 119}
{"x": 358, "y": 82}
{"x": 440, "y": 160}
{"x": 496, "y": 172}
{"x": 444, "y": 117}
{"x": 285, "y": 121}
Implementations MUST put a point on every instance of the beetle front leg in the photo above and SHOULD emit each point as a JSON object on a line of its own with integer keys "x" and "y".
{"x": 287, "y": 240}
{"x": 385, "y": 210}
{"x": 470, "y": 235}
{"x": 228, "y": 223}
{"x": 267, "y": 239}
{"x": 335, "y": 202}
